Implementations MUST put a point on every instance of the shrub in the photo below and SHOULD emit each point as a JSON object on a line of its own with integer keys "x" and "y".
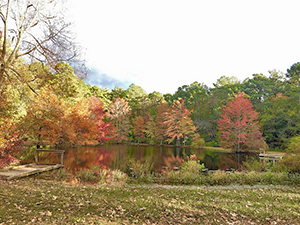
{"x": 219, "y": 178}
{"x": 190, "y": 173}
{"x": 103, "y": 176}
{"x": 278, "y": 168}
{"x": 252, "y": 164}
{"x": 199, "y": 143}
{"x": 140, "y": 171}
{"x": 87, "y": 175}
{"x": 294, "y": 145}
{"x": 115, "y": 177}
{"x": 62, "y": 173}
{"x": 193, "y": 167}
{"x": 291, "y": 162}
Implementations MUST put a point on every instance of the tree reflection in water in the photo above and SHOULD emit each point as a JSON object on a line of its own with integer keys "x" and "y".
{"x": 114, "y": 157}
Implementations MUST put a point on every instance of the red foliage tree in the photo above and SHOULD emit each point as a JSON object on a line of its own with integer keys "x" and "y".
{"x": 238, "y": 124}
{"x": 97, "y": 114}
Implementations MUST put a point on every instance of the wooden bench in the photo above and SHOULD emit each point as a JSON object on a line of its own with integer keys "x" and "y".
{"x": 61, "y": 152}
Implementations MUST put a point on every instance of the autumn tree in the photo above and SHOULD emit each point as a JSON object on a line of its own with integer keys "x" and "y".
{"x": 160, "y": 122}
{"x": 139, "y": 128}
{"x": 11, "y": 141}
{"x": 150, "y": 129}
{"x": 238, "y": 124}
{"x": 45, "y": 117}
{"x": 97, "y": 114}
{"x": 82, "y": 124}
{"x": 118, "y": 112}
{"x": 178, "y": 121}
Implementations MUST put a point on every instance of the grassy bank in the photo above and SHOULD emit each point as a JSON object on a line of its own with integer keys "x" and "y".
{"x": 30, "y": 201}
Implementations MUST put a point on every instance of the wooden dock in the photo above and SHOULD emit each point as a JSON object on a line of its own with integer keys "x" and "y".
{"x": 269, "y": 157}
{"x": 26, "y": 170}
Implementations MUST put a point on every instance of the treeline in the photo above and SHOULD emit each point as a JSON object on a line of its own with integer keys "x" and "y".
{"x": 54, "y": 106}
{"x": 275, "y": 97}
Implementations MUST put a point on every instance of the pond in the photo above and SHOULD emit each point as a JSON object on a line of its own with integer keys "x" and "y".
{"x": 114, "y": 157}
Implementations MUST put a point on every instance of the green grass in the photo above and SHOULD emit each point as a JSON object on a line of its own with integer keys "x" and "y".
{"x": 30, "y": 201}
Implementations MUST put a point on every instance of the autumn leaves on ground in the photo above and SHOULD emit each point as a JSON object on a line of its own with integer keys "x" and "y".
{"x": 47, "y": 202}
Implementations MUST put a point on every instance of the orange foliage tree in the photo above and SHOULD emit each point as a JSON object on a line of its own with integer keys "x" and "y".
{"x": 118, "y": 112}
{"x": 11, "y": 142}
{"x": 45, "y": 117}
{"x": 178, "y": 121}
{"x": 161, "y": 126}
{"x": 49, "y": 120}
{"x": 139, "y": 128}
{"x": 238, "y": 124}
{"x": 82, "y": 127}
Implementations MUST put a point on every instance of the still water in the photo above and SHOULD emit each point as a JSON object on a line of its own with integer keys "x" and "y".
{"x": 114, "y": 157}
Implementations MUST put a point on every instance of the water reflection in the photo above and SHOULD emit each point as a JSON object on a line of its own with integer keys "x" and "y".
{"x": 114, "y": 157}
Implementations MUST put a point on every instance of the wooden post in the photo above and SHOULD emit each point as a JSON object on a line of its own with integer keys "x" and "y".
{"x": 62, "y": 158}
{"x": 37, "y": 157}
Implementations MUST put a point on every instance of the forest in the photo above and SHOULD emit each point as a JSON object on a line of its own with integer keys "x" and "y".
{"x": 58, "y": 108}
{"x": 44, "y": 99}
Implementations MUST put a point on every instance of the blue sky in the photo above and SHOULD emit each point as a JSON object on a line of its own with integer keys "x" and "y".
{"x": 161, "y": 45}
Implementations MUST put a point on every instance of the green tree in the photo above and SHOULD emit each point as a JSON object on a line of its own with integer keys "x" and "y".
{"x": 258, "y": 88}
{"x": 280, "y": 121}
{"x": 137, "y": 99}
{"x": 293, "y": 75}
{"x": 65, "y": 83}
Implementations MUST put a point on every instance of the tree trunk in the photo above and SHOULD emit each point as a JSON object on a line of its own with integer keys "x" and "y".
{"x": 238, "y": 146}
{"x": 178, "y": 142}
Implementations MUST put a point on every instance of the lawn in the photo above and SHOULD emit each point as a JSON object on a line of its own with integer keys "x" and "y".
{"x": 35, "y": 201}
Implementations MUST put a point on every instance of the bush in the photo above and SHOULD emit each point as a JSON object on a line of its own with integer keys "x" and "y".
{"x": 252, "y": 164}
{"x": 62, "y": 173}
{"x": 115, "y": 177}
{"x": 198, "y": 144}
{"x": 219, "y": 178}
{"x": 193, "y": 167}
{"x": 87, "y": 175}
{"x": 278, "y": 167}
{"x": 291, "y": 162}
{"x": 141, "y": 171}
{"x": 102, "y": 176}
{"x": 190, "y": 173}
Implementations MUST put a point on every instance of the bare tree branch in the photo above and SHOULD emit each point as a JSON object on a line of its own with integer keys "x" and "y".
{"x": 36, "y": 31}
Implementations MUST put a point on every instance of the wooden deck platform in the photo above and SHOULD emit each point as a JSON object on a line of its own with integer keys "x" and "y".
{"x": 26, "y": 170}
{"x": 269, "y": 157}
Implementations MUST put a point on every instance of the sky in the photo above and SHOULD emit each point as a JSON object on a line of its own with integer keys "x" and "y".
{"x": 161, "y": 45}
